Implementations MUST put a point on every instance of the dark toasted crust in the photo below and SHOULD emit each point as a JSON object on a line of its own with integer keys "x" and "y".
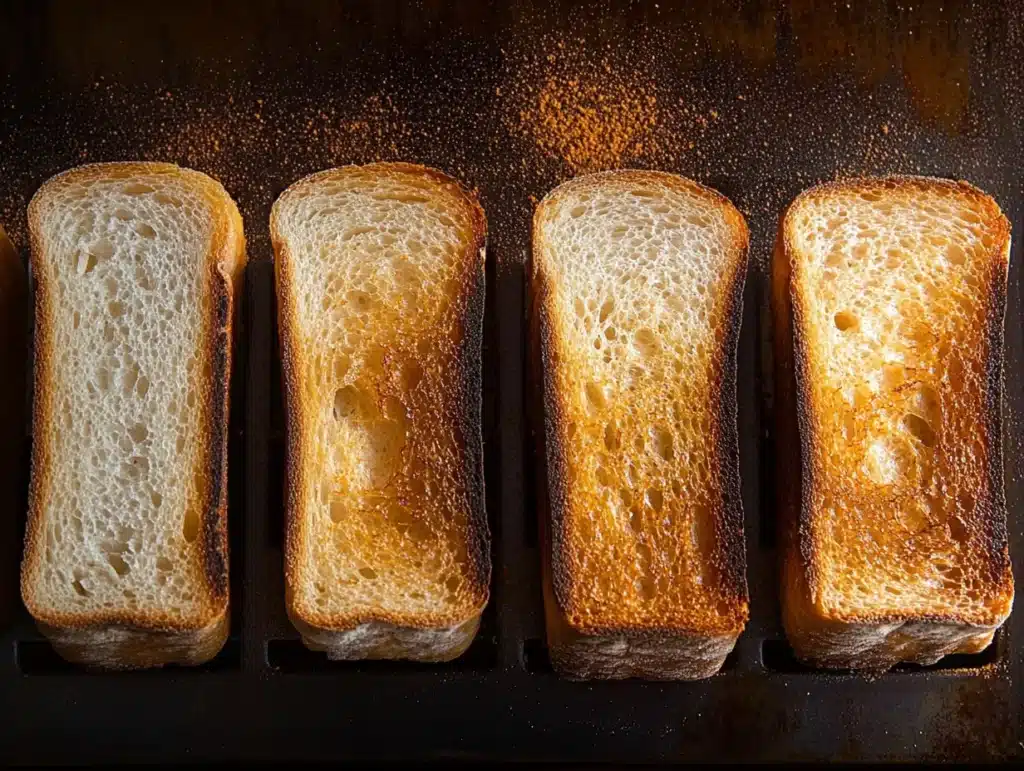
{"x": 226, "y": 264}
{"x": 467, "y": 376}
{"x": 795, "y": 433}
{"x": 549, "y": 410}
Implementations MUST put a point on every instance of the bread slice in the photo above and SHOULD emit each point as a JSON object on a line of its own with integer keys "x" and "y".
{"x": 136, "y": 268}
{"x": 380, "y": 291}
{"x": 636, "y": 296}
{"x": 889, "y": 296}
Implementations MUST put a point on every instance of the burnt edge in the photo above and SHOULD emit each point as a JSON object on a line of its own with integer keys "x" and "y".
{"x": 550, "y": 479}
{"x": 213, "y": 551}
{"x": 469, "y": 378}
{"x": 797, "y": 511}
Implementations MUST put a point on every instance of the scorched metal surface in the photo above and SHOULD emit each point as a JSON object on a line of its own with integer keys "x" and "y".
{"x": 759, "y": 101}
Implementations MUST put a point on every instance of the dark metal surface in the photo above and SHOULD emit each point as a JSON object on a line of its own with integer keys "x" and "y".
{"x": 759, "y": 101}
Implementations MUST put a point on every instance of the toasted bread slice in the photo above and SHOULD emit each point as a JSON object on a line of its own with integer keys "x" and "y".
{"x": 636, "y": 296}
{"x": 889, "y": 296}
{"x": 126, "y": 557}
{"x": 380, "y": 289}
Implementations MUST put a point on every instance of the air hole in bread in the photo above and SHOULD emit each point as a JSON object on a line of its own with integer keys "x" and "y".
{"x": 654, "y": 498}
{"x": 595, "y": 397}
{"x": 603, "y": 477}
{"x": 138, "y": 433}
{"x": 124, "y": 215}
{"x": 85, "y": 263}
{"x": 137, "y": 188}
{"x": 144, "y": 230}
{"x": 164, "y": 564}
{"x": 80, "y": 589}
{"x": 337, "y": 510}
{"x": 577, "y": 211}
{"x": 636, "y": 519}
{"x": 348, "y": 235}
{"x": 845, "y": 321}
{"x": 190, "y": 525}
{"x": 116, "y": 561}
{"x": 662, "y": 442}
{"x": 156, "y": 499}
{"x": 368, "y": 573}
{"x": 101, "y": 250}
{"x": 646, "y": 343}
{"x": 955, "y": 254}
{"x": 167, "y": 200}
{"x": 606, "y": 310}
{"x": 142, "y": 386}
{"x": 612, "y": 437}
{"x": 957, "y": 529}
{"x": 116, "y": 309}
{"x": 412, "y": 374}
{"x": 920, "y": 429}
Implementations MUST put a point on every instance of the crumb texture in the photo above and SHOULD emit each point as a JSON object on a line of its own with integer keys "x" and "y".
{"x": 899, "y": 294}
{"x": 639, "y": 273}
{"x": 378, "y": 267}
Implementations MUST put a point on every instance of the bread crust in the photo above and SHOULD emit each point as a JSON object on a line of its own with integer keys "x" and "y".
{"x": 378, "y": 633}
{"x": 834, "y": 638}
{"x": 671, "y": 648}
{"x": 117, "y": 638}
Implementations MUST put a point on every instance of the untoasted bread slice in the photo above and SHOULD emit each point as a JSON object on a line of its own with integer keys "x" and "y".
{"x": 636, "y": 295}
{"x": 889, "y": 296}
{"x": 126, "y": 561}
{"x": 380, "y": 287}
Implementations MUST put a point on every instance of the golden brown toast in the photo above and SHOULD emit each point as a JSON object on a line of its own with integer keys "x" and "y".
{"x": 888, "y": 300}
{"x": 636, "y": 294}
{"x": 137, "y": 267}
{"x": 380, "y": 286}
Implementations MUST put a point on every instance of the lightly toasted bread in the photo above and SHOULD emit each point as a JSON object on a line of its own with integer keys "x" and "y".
{"x": 636, "y": 296}
{"x": 888, "y": 299}
{"x": 380, "y": 289}
{"x": 136, "y": 268}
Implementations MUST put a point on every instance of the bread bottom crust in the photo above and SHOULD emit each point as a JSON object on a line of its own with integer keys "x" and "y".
{"x": 830, "y": 644}
{"x": 649, "y": 657}
{"x": 117, "y": 647}
{"x": 380, "y": 640}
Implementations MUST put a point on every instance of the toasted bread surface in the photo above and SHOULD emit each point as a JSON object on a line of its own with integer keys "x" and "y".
{"x": 135, "y": 266}
{"x": 636, "y": 293}
{"x": 889, "y": 296}
{"x": 380, "y": 284}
